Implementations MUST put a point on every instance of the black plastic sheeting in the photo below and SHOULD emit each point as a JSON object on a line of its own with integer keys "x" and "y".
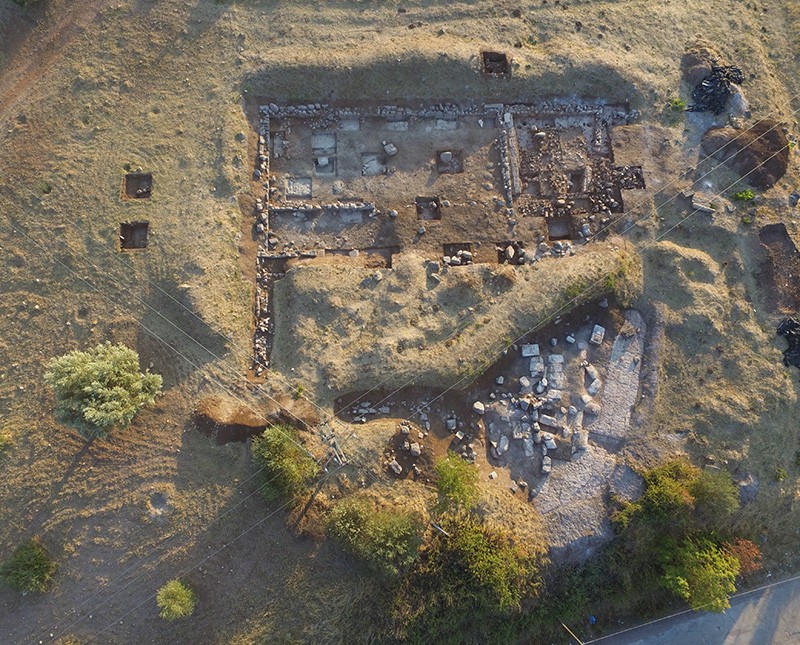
{"x": 713, "y": 92}
{"x": 790, "y": 330}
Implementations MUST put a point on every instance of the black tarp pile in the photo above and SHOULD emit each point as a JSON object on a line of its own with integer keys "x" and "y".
{"x": 712, "y": 93}
{"x": 790, "y": 330}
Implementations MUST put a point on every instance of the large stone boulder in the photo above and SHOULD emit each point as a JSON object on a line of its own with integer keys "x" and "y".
{"x": 759, "y": 154}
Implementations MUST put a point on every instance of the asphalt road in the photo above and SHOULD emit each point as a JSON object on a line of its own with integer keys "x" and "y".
{"x": 769, "y": 615}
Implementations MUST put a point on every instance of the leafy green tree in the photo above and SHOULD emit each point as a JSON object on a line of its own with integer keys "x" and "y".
{"x": 30, "y": 568}
{"x": 457, "y": 481}
{"x": 386, "y": 540}
{"x": 702, "y": 574}
{"x": 175, "y": 600}
{"x": 287, "y": 467}
{"x": 716, "y": 497}
{"x": 100, "y": 389}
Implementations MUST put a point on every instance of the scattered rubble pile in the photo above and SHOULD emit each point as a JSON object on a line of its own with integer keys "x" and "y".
{"x": 713, "y": 92}
{"x": 513, "y": 253}
{"x": 790, "y": 330}
{"x": 545, "y": 417}
{"x": 461, "y": 258}
{"x": 759, "y": 154}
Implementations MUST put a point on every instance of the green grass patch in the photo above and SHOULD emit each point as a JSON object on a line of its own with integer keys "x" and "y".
{"x": 30, "y": 568}
{"x": 472, "y": 580}
{"x": 457, "y": 482}
{"x": 746, "y": 195}
{"x": 386, "y": 540}
{"x": 6, "y": 440}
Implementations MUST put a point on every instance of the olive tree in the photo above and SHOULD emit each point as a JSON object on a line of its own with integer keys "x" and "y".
{"x": 100, "y": 389}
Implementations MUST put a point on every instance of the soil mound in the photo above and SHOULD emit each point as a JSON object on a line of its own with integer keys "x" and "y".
{"x": 697, "y": 61}
{"x": 780, "y": 273}
{"x": 760, "y": 154}
{"x": 228, "y": 419}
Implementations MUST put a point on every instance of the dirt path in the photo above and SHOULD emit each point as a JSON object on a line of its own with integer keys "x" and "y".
{"x": 33, "y": 56}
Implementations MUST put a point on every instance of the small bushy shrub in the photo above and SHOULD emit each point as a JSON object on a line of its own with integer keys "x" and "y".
{"x": 716, "y": 497}
{"x": 175, "y": 600}
{"x": 676, "y": 105}
{"x": 667, "y": 502}
{"x": 746, "y": 195}
{"x": 30, "y": 568}
{"x": 287, "y": 467}
{"x": 746, "y": 552}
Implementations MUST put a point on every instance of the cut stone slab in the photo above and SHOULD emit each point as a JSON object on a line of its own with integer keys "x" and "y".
{"x": 502, "y": 446}
{"x": 547, "y": 420}
{"x": 598, "y": 333}
{"x": 530, "y": 350}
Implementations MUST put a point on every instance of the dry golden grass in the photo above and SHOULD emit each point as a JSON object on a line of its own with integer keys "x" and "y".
{"x": 160, "y": 85}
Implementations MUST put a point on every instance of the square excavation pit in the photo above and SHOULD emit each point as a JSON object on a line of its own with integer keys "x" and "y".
{"x": 298, "y": 187}
{"x": 373, "y": 165}
{"x": 429, "y": 208}
{"x": 558, "y": 228}
{"x": 577, "y": 180}
{"x": 630, "y": 177}
{"x": 449, "y": 161}
{"x": 323, "y": 143}
{"x": 325, "y": 165}
{"x": 133, "y": 235}
{"x": 495, "y": 64}
{"x": 533, "y": 187}
{"x": 454, "y": 247}
{"x": 138, "y": 185}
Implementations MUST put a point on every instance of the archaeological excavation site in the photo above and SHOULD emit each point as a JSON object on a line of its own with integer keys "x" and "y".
{"x": 447, "y": 204}
{"x": 416, "y": 321}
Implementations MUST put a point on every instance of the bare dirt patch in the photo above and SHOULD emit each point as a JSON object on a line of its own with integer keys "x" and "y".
{"x": 760, "y": 154}
{"x": 781, "y": 271}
